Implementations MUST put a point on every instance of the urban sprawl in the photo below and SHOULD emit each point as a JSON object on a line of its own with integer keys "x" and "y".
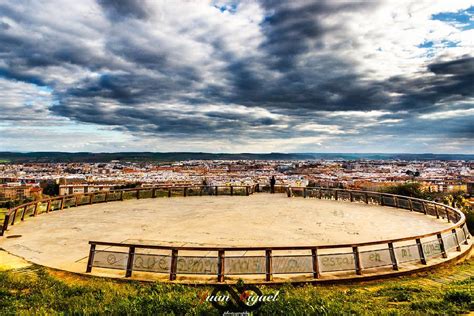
{"x": 30, "y": 180}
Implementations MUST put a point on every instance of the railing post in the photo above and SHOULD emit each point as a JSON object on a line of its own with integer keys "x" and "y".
{"x": 436, "y": 210}
{"x": 76, "y": 202}
{"x": 456, "y": 239}
{"x": 358, "y": 266}
{"x": 314, "y": 254}
{"x": 320, "y": 194}
{"x": 395, "y": 201}
{"x": 24, "y": 212}
{"x": 410, "y": 203}
{"x": 174, "y": 264}
{"x": 441, "y": 245}
{"x": 216, "y": 190}
{"x": 106, "y": 197}
{"x": 335, "y": 194}
{"x": 393, "y": 256}
{"x": 185, "y": 191}
{"x": 447, "y": 213}
{"x": 351, "y": 197}
{"x": 169, "y": 192}
{"x": 231, "y": 190}
{"x": 91, "y": 198}
{"x": 421, "y": 251}
{"x": 381, "y": 200}
{"x": 48, "y": 207}
{"x": 90, "y": 261}
{"x": 153, "y": 193}
{"x": 466, "y": 236}
{"x": 63, "y": 200}
{"x": 131, "y": 257}
{"x": 5, "y": 224}
{"x": 121, "y": 195}
{"x": 247, "y": 189}
{"x": 138, "y": 194}
{"x": 14, "y": 217}
{"x": 423, "y": 206}
{"x": 36, "y": 209}
{"x": 268, "y": 265}
{"x": 220, "y": 266}
{"x": 366, "y": 198}
{"x": 304, "y": 193}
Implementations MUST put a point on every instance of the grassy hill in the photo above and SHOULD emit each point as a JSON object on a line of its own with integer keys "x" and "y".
{"x": 37, "y": 290}
{"x": 178, "y": 156}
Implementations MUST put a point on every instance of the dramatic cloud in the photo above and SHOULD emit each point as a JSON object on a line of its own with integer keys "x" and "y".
{"x": 237, "y": 76}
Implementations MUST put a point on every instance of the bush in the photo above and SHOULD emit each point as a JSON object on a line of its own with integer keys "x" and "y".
{"x": 398, "y": 293}
{"x": 429, "y": 306}
{"x": 470, "y": 221}
{"x": 458, "y": 297}
{"x": 411, "y": 189}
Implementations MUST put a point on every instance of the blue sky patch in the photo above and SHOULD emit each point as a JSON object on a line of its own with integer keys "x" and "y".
{"x": 463, "y": 19}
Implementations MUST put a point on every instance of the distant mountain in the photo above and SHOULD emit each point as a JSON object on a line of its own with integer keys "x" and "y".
{"x": 177, "y": 156}
{"x": 141, "y": 156}
{"x": 395, "y": 156}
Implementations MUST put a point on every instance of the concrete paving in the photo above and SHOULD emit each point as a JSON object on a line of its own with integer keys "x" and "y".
{"x": 60, "y": 239}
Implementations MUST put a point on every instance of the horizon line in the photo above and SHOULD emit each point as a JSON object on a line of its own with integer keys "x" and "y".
{"x": 233, "y": 153}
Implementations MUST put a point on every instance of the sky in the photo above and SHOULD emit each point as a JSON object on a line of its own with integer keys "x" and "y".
{"x": 237, "y": 76}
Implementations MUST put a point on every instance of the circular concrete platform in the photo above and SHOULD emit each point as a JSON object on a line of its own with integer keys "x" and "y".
{"x": 60, "y": 239}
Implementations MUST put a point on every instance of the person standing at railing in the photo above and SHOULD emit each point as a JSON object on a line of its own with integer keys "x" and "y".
{"x": 272, "y": 184}
{"x": 205, "y": 186}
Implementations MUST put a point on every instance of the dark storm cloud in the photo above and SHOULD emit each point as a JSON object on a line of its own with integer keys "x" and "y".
{"x": 450, "y": 81}
{"x": 129, "y": 76}
{"x": 464, "y": 66}
{"x": 4, "y": 25}
{"x": 6, "y": 72}
{"x": 291, "y": 31}
{"x": 119, "y": 9}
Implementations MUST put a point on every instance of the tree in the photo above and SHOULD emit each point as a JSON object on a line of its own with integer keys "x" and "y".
{"x": 51, "y": 189}
{"x": 411, "y": 189}
{"x": 457, "y": 200}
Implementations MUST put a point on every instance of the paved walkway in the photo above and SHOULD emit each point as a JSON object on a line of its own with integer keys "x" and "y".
{"x": 60, "y": 239}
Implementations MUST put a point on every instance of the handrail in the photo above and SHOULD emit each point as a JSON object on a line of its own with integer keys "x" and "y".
{"x": 458, "y": 224}
{"x": 459, "y": 214}
{"x": 461, "y": 220}
{"x": 453, "y": 236}
{"x": 212, "y": 190}
{"x": 175, "y": 262}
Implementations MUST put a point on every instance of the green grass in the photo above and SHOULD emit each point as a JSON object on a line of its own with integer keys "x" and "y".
{"x": 38, "y": 290}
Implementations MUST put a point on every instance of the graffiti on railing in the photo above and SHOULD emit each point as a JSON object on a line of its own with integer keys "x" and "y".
{"x": 432, "y": 248}
{"x": 292, "y": 264}
{"x": 152, "y": 263}
{"x": 197, "y": 265}
{"x": 336, "y": 262}
{"x": 376, "y": 258}
{"x": 110, "y": 259}
{"x": 244, "y": 265}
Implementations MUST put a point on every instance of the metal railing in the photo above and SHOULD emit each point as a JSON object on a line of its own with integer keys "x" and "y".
{"x": 313, "y": 260}
{"x": 20, "y": 213}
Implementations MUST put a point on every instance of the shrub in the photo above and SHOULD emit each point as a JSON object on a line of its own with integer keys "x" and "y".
{"x": 458, "y": 297}
{"x": 470, "y": 221}
{"x": 412, "y": 189}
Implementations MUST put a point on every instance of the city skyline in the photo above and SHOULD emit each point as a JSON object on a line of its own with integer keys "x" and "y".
{"x": 249, "y": 76}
